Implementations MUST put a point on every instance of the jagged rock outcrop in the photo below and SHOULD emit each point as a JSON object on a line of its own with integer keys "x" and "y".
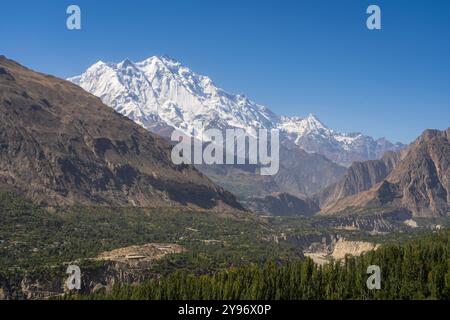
{"x": 423, "y": 177}
{"x": 60, "y": 145}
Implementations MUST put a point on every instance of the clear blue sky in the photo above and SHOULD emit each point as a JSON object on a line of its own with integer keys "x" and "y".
{"x": 296, "y": 57}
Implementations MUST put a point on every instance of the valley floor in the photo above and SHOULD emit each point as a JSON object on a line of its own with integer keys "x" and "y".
{"x": 138, "y": 253}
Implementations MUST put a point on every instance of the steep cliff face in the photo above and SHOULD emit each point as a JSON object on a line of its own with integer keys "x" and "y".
{"x": 423, "y": 177}
{"x": 354, "y": 248}
{"x": 60, "y": 146}
{"x": 418, "y": 183}
{"x": 335, "y": 247}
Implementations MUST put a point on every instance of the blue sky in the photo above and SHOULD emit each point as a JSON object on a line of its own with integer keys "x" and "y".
{"x": 296, "y": 57}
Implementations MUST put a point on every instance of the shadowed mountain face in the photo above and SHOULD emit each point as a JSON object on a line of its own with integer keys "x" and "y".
{"x": 420, "y": 182}
{"x": 61, "y": 146}
{"x": 283, "y": 204}
{"x": 360, "y": 176}
{"x": 301, "y": 174}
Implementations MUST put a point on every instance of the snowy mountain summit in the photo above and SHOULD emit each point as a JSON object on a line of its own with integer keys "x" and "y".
{"x": 160, "y": 92}
{"x": 161, "y": 89}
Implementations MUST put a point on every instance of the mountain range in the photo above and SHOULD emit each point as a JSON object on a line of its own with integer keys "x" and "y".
{"x": 161, "y": 94}
{"x": 416, "y": 179}
{"x": 60, "y": 146}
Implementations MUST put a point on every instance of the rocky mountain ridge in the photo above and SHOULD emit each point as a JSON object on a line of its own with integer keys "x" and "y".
{"x": 419, "y": 182}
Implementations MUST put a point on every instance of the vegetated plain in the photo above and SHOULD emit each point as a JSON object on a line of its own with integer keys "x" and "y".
{"x": 220, "y": 250}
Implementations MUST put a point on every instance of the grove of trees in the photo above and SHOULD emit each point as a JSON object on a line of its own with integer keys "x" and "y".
{"x": 419, "y": 269}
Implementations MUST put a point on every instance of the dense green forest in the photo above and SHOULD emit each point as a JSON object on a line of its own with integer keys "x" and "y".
{"x": 416, "y": 270}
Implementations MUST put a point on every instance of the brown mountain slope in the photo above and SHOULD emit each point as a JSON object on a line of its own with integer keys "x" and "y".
{"x": 420, "y": 182}
{"x": 360, "y": 176}
{"x": 61, "y": 146}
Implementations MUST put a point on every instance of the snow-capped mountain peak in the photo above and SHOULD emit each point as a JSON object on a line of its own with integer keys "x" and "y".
{"x": 314, "y": 122}
{"x": 160, "y": 90}
{"x": 310, "y": 125}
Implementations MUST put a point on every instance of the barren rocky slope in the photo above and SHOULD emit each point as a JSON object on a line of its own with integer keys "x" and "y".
{"x": 420, "y": 182}
{"x": 360, "y": 176}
